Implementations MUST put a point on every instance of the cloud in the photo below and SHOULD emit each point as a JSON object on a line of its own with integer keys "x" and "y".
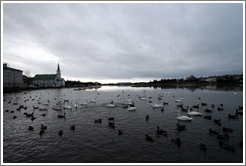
{"x": 100, "y": 42}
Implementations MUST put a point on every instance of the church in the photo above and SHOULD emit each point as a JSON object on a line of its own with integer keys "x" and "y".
{"x": 49, "y": 80}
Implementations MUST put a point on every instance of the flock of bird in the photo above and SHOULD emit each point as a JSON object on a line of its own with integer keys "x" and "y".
{"x": 63, "y": 105}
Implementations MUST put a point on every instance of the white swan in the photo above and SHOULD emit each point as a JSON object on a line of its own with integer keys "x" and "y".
{"x": 131, "y": 108}
{"x": 111, "y": 105}
{"x": 85, "y": 103}
{"x": 194, "y": 113}
{"x": 184, "y": 118}
{"x": 154, "y": 105}
{"x": 76, "y": 105}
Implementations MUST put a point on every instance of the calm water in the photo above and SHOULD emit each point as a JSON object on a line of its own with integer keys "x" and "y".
{"x": 98, "y": 143}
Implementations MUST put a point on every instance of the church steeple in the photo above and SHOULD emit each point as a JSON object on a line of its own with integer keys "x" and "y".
{"x": 58, "y": 68}
{"x": 58, "y": 72}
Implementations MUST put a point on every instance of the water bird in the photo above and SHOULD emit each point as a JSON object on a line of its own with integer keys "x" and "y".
{"x": 111, "y": 105}
{"x": 160, "y": 131}
{"x": 203, "y": 104}
{"x": 162, "y": 109}
{"x": 149, "y": 138}
{"x": 43, "y": 127}
{"x": 223, "y": 136}
{"x": 98, "y": 121}
{"x": 30, "y": 128}
{"x": 165, "y": 103}
{"x": 43, "y": 114}
{"x": 207, "y": 110}
{"x": 147, "y": 118}
{"x": 193, "y": 113}
{"x": 220, "y": 109}
{"x": 176, "y": 141}
{"x": 202, "y": 147}
{"x": 183, "y": 118}
{"x": 180, "y": 127}
{"x": 226, "y": 129}
{"x": 120, "y": 132}
{"x": 41, "y": 132}
{"x": 230, "y": 116}
{"x": 196, "y": 106}
{"x": 14, "y": 117}
{"x": 212, "y": 105}
{"x": 12, "y": 112}
{"x": 85, "y": 103}
{"x": 60, "y": 133}
{"x": 131, "y": 108}
{"x": 238, "y": 112}
{"x": 76, "y": 105}
{"x": 72, "y": 127}
{"x": 61, "y": 116}
{"x": 154, "y": 105}
{"x": 111, "y": 124}
{"x": 213, "y": 132}
{"x": 209, "y": 117}
{"x": 226, "y": 146}
{"x": 111, "y": 118}
{"x": 33, "y": 118}
{"x": 217, "y": 121}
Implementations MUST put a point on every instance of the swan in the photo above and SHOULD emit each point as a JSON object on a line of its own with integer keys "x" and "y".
{"x": 76, "y": 105}
{"x": 111, "y": 105}
{"x": 131, "y": 108}
{"x": 194, "y": 113}
{"x": 154, "y": 105}
{"x": 183, "y": 118}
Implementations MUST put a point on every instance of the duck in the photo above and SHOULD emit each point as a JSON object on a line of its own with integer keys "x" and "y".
{"x": 41, "y": 132}
{"x": 14, "y": 117}
{"x": 111, "y": 118}
{"x": 98, "y": 121}
{"x": 60, "y": 133}
{"x": 209, "y": 117}
{"x": 202, "y": 147}
{"x": 149, "y": 138}
{"x": 43, "y": 127}
{"x": 226, "y": 129}
{"x": 30, "y": 128}
{"x": 160, "y": 132}
{"x": 72, "y": 127}
{"x": 220, "y": 109}
{"x": 230, "y": 116}
{"x": 62, "y": 116}
{"x": 147, "y": 118}
{"x": 203, "y": 104}
{"x": 226, "y": 146}
{"x": 213, "y": 132}
{"x": 176, "y": 141}
{"x": 217, "y": 121}
{"x": 120, "y": 132}
{"x": 224, "y": 136}
{"x": 193, "y": 113}
{"x": 180, "y": 127}
{"x": 111, "y": 124}
{"x": 183, "y": 118}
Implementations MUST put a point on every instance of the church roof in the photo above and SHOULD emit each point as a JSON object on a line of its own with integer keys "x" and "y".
{"x": 45, "y": 77}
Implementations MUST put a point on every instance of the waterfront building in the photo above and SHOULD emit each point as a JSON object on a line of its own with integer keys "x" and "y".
{"x": 12, "y": 78}
{"x": 49, "y": 80}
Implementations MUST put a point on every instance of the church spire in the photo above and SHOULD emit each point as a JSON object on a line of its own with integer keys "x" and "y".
{"x": 58, "y": 68}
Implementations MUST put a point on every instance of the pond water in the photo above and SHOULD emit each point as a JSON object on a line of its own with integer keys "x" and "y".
{"x": 98, "y": 143}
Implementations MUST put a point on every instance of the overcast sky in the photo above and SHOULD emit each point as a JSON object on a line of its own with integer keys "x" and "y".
{"x": 121, "y": 42}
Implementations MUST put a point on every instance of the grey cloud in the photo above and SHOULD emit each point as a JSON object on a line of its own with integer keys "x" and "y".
{"x": 126, "y": 41}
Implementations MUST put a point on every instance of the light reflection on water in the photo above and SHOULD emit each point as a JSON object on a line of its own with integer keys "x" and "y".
{"x": 98, "y": 143}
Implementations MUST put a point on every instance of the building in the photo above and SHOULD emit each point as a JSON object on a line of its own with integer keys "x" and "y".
{"x": 12, "y": 78}
{"x": 49, "y": 80}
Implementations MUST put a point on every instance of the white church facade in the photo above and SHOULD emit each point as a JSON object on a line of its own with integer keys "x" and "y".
{"x": 49, "y": 80}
